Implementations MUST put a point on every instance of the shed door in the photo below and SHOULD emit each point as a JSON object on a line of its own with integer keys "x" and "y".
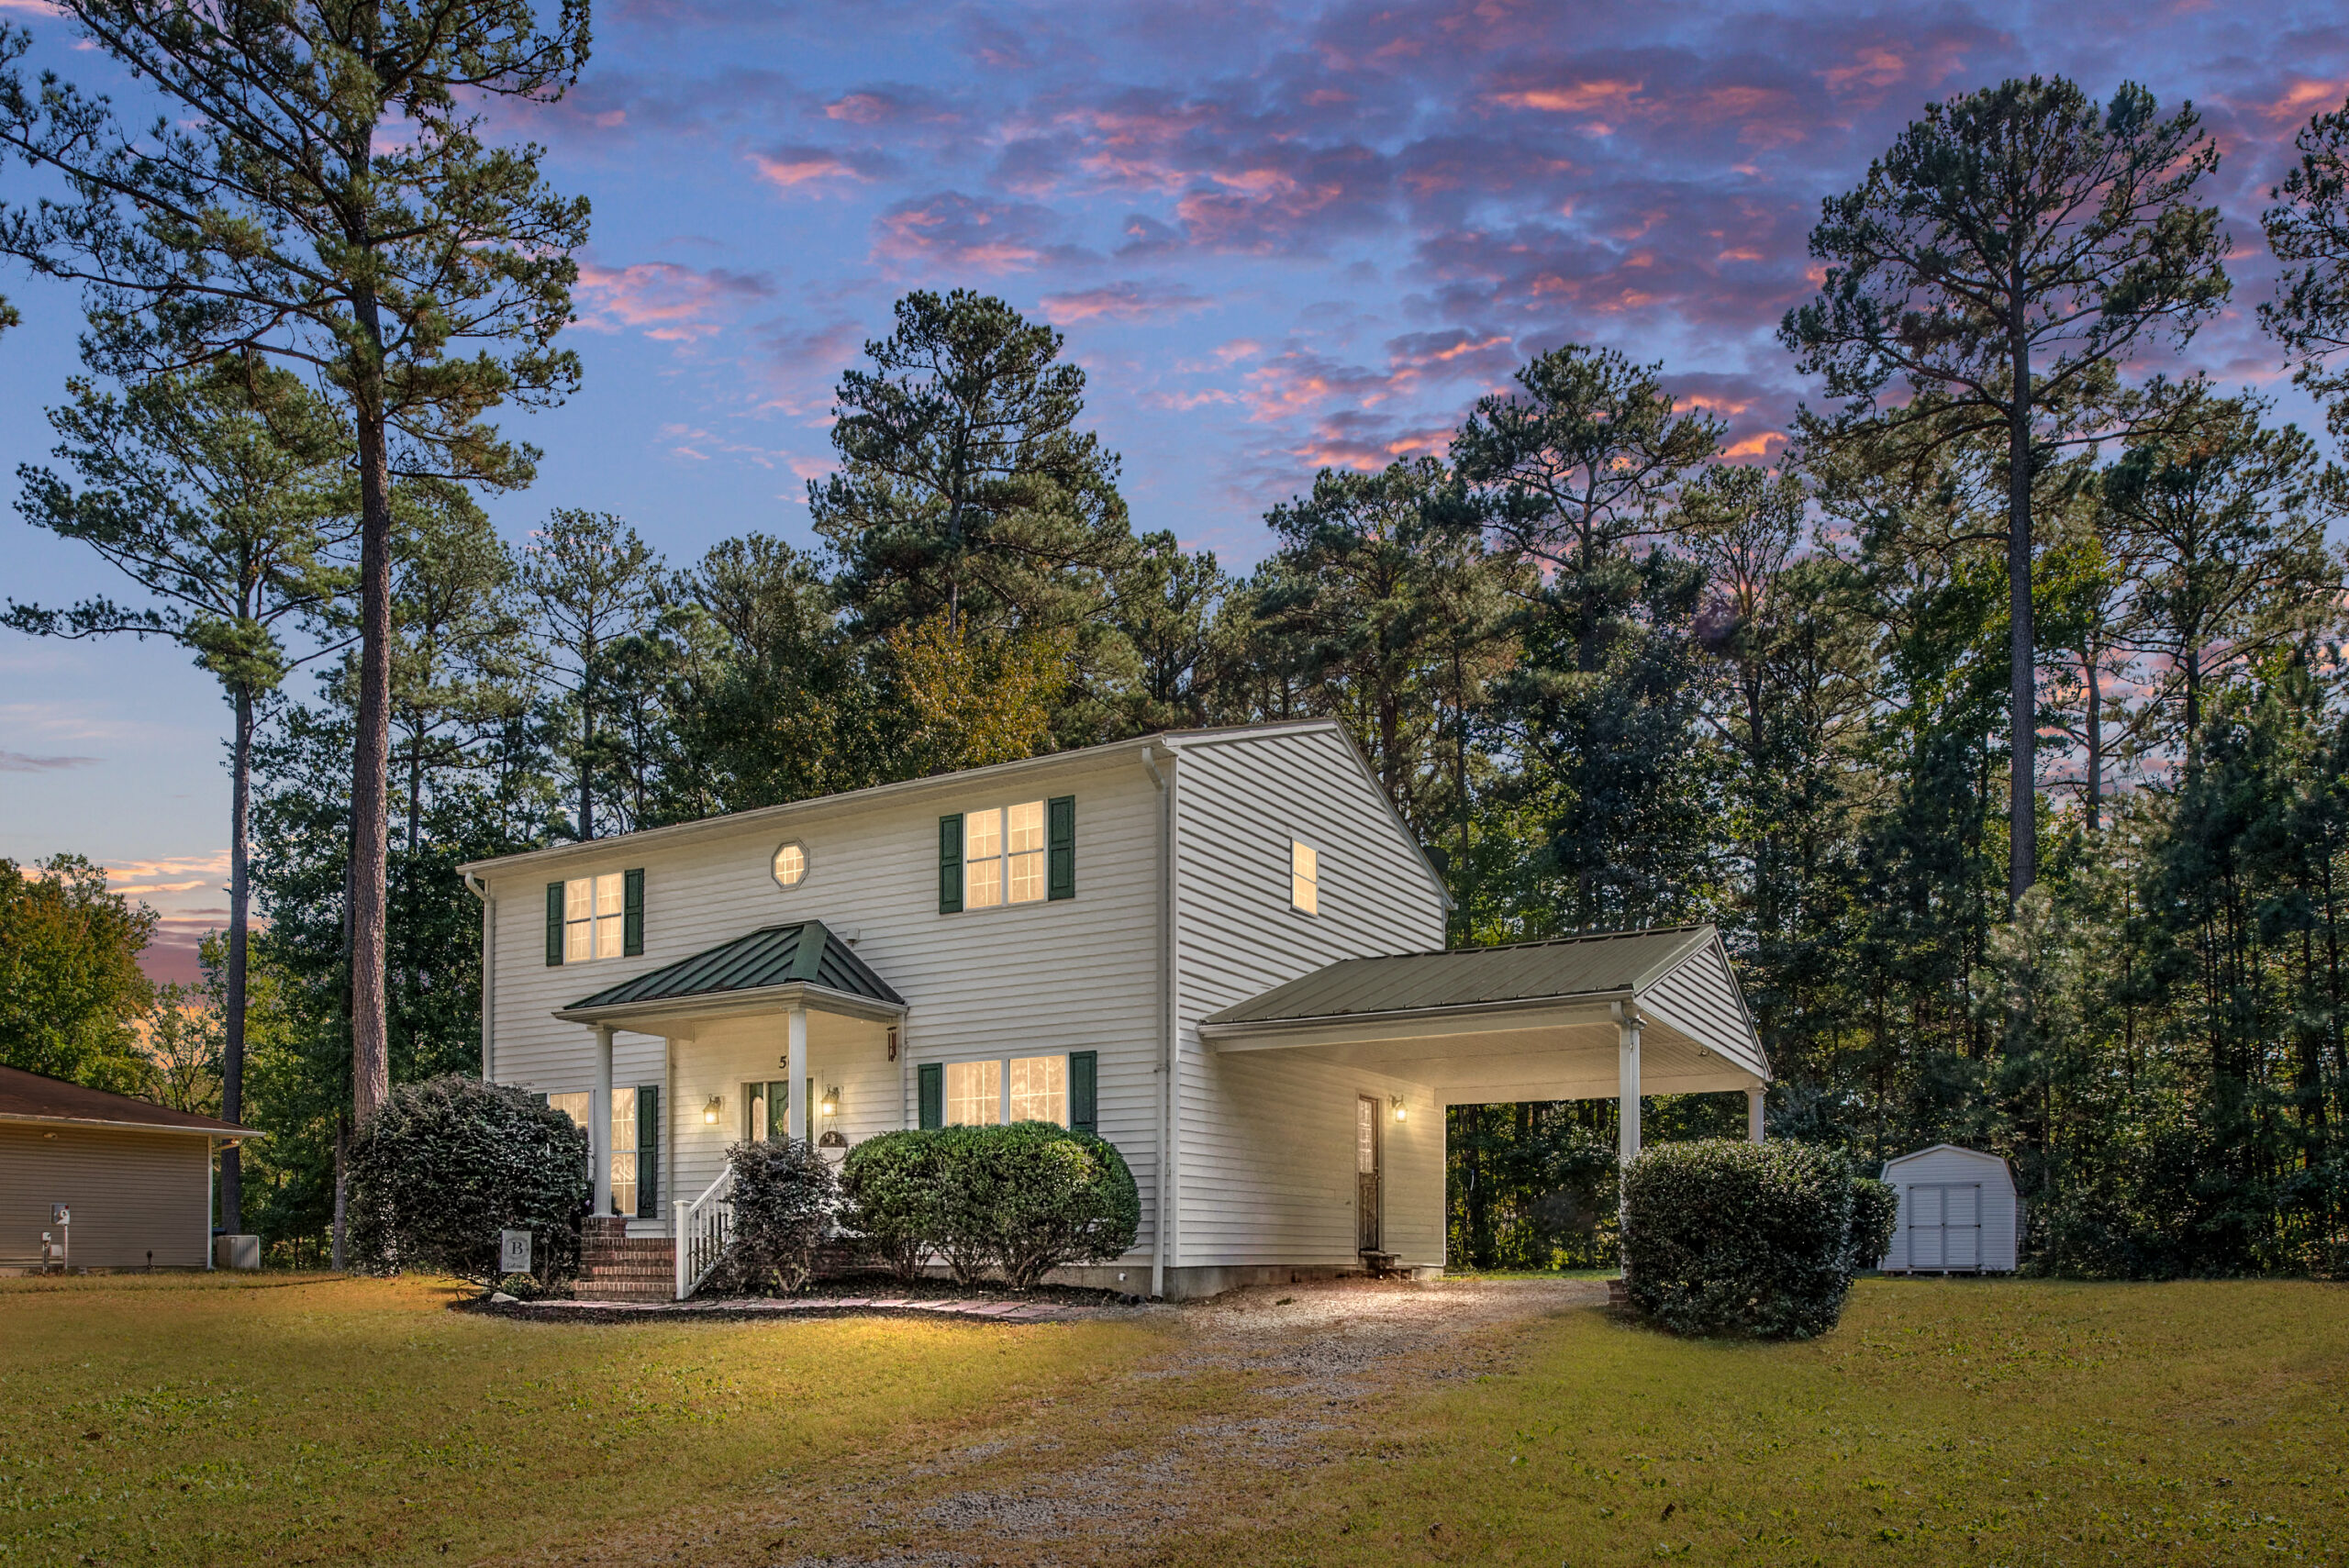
{"x": 1366, "y": 1174}
{"x": 1945, "y": 1226}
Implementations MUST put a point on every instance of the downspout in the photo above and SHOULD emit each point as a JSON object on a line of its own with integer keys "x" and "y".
{"x": 480, "y": 889}
{"x": 1162, "y": 1206}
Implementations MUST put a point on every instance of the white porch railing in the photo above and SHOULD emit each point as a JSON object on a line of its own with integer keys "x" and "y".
{"x": 703, "y": 1228}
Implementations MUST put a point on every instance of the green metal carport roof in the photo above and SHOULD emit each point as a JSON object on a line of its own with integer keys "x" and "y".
{"x": 772, "y": 962}
{"x": 1603, "y": 964}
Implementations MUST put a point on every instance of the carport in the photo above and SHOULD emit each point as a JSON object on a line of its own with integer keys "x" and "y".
{"x": 1606, "y": 1015}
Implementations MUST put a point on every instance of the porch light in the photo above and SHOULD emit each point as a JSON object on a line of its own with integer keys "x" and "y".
{"x": 1395, "y": 1102}
{"x": 832, "y": 1105}
{"x": 710, "y": 1112}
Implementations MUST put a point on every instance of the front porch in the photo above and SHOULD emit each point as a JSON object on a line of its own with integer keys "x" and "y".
{"x": 783, "y": 1033}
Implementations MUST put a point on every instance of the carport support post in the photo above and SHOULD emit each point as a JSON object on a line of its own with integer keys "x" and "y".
{"x": 1753, "y": 1116}
{"x": 796, "y": 1095}
{"x": 1627, "y": 1113}
{"x": 599, "y": 1121}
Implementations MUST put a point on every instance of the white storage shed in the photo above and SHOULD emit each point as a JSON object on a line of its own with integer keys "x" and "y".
{"x": 1958, "y": 1213}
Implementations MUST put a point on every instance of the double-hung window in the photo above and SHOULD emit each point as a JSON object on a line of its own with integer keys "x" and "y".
{"x": 1021, "y": 853}
{"x": 632, "y": 1140}
{"x": 1003, "y": 855}
{"x": 596, "y": 916}
{"x": 995, "y": 1090}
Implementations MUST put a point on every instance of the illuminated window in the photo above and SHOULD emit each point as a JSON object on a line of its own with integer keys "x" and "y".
{"x": 973, "y": 1094}
{"x": 1304, "y": 878}
{"x": 623, "y": 1150}
{"x": 1039, "y": 1089}
{"x": 594, "y": 914}
{"x": 791, "y": 865}
{"x": 1003, "y": 856}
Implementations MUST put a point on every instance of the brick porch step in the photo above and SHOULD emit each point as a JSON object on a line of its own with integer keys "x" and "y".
{"x": 616, "y": 1266}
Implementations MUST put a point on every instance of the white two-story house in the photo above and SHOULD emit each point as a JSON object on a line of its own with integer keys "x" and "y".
{"x": 1220, "y": 950}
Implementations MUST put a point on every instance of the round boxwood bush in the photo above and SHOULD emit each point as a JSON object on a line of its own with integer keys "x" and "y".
{"x": 1740, "y": 1239}
{"x": 1031, "y": 1196}
{"x": 891, "y": 1186}
{"x": 784, "y": 1196}
{"x": 445, "y": 1164}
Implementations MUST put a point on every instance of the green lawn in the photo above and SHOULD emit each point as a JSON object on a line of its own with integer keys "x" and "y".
{"x": 189, "y": 1419}
{"x": 194, "y": 1421}
{"x": 1957, "y": 1422}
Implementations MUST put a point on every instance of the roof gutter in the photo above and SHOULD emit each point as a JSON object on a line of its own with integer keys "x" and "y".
{"x": 224, "y": 1132}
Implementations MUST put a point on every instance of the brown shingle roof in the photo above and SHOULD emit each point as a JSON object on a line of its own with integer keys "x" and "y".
{"x": 31, "y": 1097}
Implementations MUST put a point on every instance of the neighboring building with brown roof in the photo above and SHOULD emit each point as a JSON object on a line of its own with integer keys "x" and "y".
{"x": 136, "y": 1176}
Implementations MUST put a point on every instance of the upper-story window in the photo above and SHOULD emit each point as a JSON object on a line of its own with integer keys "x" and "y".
{"x": 591, "y": 914}
{"x": 1021, "y": 853}
{"x": 1304, "y": 877}
{"x": 791, "y": 864}
{"x": 596, "y": 916}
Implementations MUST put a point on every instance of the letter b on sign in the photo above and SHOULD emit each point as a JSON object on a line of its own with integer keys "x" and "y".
{"x": 514, "y": 1252}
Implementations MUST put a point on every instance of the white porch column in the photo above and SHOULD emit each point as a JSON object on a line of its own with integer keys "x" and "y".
{"x": 599, "y": 1121}
{"x": 1626, "y": 1088}
{"x": 796, "y": 1093}
{"x": 1753, "y": 1116}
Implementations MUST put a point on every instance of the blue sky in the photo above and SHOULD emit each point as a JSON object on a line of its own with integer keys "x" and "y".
{"x": 1276, "y": 236}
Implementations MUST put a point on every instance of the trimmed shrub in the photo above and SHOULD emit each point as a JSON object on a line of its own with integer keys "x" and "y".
{"x": 783, "y": 1197}
{"x": 891, "y": 1188}
{"x": 1876, "y": 1209}
{"x": 1031, "y": 1196}
{"x": 1754, "y": 1240}
{"x": 448, "y": 1163}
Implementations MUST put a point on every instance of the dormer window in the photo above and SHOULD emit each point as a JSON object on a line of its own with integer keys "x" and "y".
{"x": 1304, "y": 878}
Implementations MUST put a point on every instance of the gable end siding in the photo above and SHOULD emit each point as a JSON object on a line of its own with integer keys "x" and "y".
{"x": 1266, "y": 1172}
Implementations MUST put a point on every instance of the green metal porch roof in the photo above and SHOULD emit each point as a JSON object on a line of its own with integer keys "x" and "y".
{"x": 802, "y": 953}
{"x": 1600, "y": 963}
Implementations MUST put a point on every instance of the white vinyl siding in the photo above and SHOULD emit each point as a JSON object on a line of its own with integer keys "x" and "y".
{"x": 1064, "y": 975}
{"x": 1267, "y": 1154}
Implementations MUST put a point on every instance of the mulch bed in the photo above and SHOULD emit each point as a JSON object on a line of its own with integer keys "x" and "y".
{"x": 831, "y": 1298}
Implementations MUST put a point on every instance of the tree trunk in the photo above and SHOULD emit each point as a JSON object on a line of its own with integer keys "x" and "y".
{"x": 232, "y": 1052}
{"x": 2023, "y": 673}
{"x": 369, "y": 1027}
{"x": 2089, "y": 676}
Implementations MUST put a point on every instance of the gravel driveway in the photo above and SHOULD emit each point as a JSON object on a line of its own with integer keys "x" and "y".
{"x": 1307, "y": 1366}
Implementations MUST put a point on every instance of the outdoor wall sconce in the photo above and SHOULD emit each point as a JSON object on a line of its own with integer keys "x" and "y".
{"x": 710, "y": 1112}
{"x": 1395, "y": 1103}
{"x": 832, "y": 1105}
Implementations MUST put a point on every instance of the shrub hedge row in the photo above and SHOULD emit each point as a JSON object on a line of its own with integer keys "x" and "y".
{"x": 1754, "y": 1239}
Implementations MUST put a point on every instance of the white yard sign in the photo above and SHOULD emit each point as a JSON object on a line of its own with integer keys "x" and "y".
{"x": 514, "y": 1252}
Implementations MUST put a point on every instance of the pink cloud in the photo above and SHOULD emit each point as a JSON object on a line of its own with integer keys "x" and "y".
{"x": 1124, "y": 301}
{"x": 667, "y": 302}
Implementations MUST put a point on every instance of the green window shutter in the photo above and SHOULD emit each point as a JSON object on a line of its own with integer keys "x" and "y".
{"x": 554, "y": 923}
{"x": 1084, "y": 1091}
{"x": 933, "y": 1093}
{"x": 632, "y": 912}
{"x": 778, "y": 1092}
{"x": 949, "y": 864}
{"x": 648, "y": 1150}
{"x": 541, "y": 1098}
{"x": 1059, "y": 839}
